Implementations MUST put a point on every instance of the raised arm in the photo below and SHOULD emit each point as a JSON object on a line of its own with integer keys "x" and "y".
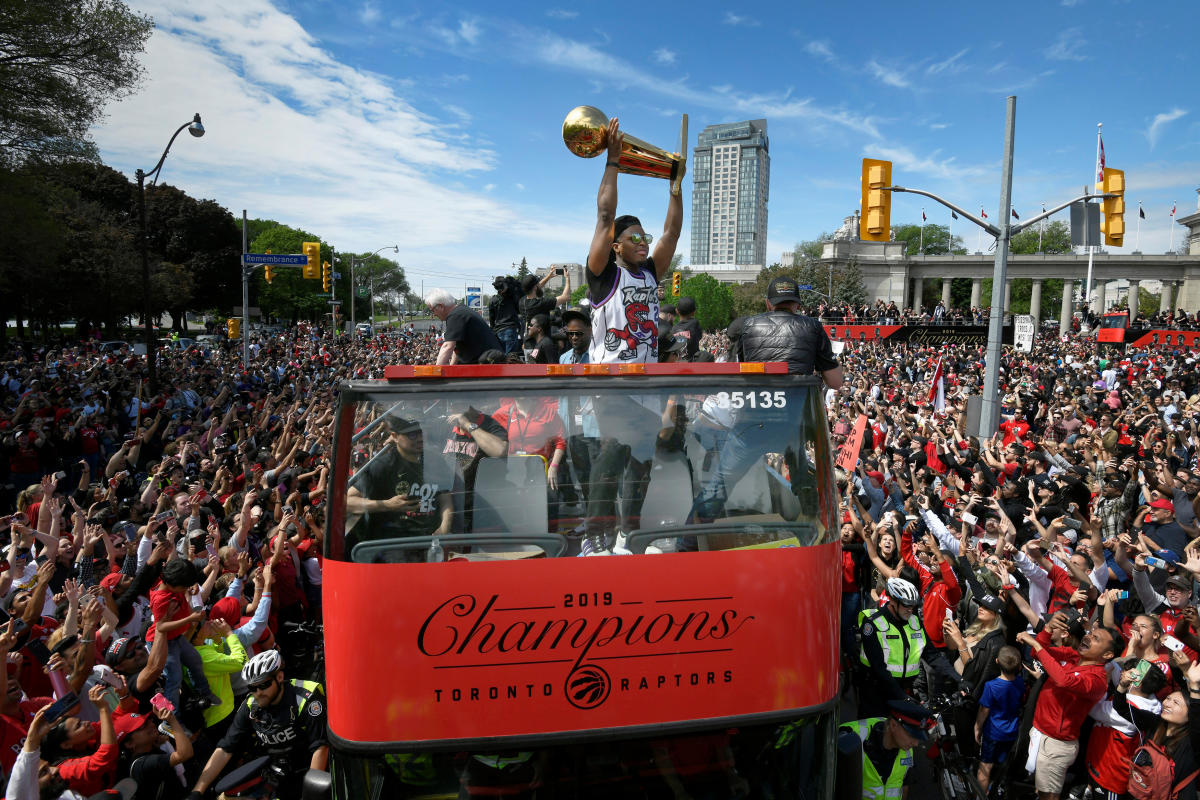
{"x": 606, "y": 204}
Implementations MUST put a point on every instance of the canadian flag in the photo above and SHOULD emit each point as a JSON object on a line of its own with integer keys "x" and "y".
{"x": 1100, "y": 164}
{"x": 983, "y": 213}
{"x": 1172, "y": 208}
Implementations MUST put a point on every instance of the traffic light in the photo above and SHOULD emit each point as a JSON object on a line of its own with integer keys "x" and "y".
{"x": 1112, "y": 225}
{"x": 312, "y": 268}
{"x": 875, "y": 224}
{"x": 326, "y": 276}
{"x": 234, "y": 327}
{"x": 676, "y": 283}
{"x": 268, "y": 273}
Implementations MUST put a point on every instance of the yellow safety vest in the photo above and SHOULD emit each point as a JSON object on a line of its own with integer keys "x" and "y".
{"x": 874, "y": 787}
{"x": 901, "y": 644}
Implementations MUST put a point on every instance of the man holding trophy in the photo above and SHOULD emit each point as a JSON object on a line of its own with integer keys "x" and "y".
{"x": 622, "y": 276}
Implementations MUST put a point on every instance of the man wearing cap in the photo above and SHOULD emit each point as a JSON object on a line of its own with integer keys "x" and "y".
{"x": 783, "y": 334}
{"x": 887, "y": 744}
{"x": 1162, "y": 531}
{"x": 503, "y": 314}
{"x": 533, "y": 303}
{"x": 1171, "y": 604}
{"x": 686, "y": 327}
{"x": 622, "y": 276}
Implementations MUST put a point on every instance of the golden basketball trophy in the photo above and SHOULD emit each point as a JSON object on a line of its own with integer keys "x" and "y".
{"x": 585, "y": 132}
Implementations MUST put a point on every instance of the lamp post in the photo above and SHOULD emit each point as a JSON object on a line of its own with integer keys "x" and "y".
{"x": 195, "y": 128}
{"x": 354, "y": 288}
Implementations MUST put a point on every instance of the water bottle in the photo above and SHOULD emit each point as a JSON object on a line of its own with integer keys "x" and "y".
{"x": 435, "y": 553}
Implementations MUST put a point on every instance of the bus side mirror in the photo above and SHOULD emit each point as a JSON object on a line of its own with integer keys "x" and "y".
{"x": 849, "y": 766}
{"x": 318, "y": 784}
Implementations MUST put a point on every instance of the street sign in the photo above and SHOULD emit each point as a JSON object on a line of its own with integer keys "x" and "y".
{"x": 270, "y": 258}
{"x": 337, "y": 276}
{"x": 364, "y": 291}
{"x": 805, "y": 286}
{"x": 335, "y": 302}
{"x": 1023, "y": 331}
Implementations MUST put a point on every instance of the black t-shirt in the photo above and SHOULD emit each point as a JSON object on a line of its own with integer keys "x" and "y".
{"x": 689, "y": 330}
{"x": 664, "y": 338}
{"x": 279, "y": 731}
{"x": 391, "y": 475}
{"x": 532, "y": 306}
{"x": 470, "y": 334}
{"x": 545, "y": 352}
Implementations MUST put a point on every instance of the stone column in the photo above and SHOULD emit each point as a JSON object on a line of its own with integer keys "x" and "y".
{"x": 976, "y": 291}
{"x": 1164, "y": 299}
{"x": 1007, "y": 296}
{"x": 1035, "y": 300}
{"x": 1099, "y": 300}
{"x": 946, "y": 293}
{"x": 1135, "y": 286}
{"x": 1064, "y": 311}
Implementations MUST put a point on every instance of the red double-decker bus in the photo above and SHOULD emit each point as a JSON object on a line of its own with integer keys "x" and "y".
{"x": 471, "y": 653}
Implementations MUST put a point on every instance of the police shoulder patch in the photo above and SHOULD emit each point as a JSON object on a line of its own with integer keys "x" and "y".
{"x": 315, "y": 708}
{"x": 868, "y": 629}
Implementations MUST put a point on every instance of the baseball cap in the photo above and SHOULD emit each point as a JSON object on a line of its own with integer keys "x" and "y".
{"x": 1163, "y": 503}
{"x": 686, "y": 305}
{"x": 783, "y": 289}
{"x": 1180, "y": 582}
{"x": 228, "y": 609}
{"x": 119, "y": 649}
{"x": 911, "y": 717}
{"x": 125, "y": 724}
{"x": 992, "y": 603}
{"x": 572, "y": 313}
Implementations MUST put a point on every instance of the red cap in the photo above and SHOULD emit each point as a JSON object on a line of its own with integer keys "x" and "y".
{"x": 876, "y": 475}
{"x": 228, "y": 609}
{"x": 126, "y": 723}
{"x": 111, "y": 580}
{"x": 1163, "y": 503}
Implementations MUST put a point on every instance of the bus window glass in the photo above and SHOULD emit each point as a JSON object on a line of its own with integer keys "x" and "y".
{"x": 563, "y": 468}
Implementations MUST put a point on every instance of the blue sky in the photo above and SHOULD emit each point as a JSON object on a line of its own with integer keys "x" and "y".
{"x": 436, "y": 126}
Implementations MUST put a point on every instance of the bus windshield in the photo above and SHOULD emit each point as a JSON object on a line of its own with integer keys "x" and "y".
{"x": 504, "y": 468}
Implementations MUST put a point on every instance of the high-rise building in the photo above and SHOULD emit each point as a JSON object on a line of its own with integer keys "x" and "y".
{"x": 731, "y": 171}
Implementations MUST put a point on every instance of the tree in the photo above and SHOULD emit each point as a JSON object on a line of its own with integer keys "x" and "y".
{"x": 290, "y": 296}
{"x": 384, "y": 276}
{"x": 714, "y": 301}
{"x": 523, "y": 269}
{"x": 61, "y": 61}
{"x": 936, "y": 238}
{"x": 849, "y": 288}
{"x": 1056, "y": 238}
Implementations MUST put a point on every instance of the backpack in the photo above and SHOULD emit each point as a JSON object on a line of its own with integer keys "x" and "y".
{"x": 1152, "y": 774}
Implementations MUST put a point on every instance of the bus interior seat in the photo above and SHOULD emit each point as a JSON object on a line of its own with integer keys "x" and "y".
{"x": 510, "y": 495}
{"x": 669, "y": 494}
{"x": 752, "y": 492}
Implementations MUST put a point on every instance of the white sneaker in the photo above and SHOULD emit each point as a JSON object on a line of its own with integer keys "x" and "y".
{"x": 619, "y": 548}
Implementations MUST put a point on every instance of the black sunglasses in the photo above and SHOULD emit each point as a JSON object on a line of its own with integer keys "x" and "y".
{"x": 258, "y": 687}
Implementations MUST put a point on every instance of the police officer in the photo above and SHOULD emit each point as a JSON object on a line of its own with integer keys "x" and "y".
{"x": 288, "y": 717}
{"x": 891, "y": 643}
{"x": 783, "y": 334}
{"x": 887, "y": 748}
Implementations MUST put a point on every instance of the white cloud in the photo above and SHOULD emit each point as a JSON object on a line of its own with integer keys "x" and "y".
{"x": 487, "y": 187}
{"x": 369, "y": 14}
{"x": 820, "y": 49}
{"x": 1160, "y": 120}
{"x": 286, "y": 124}
{"x": 1071, "y": 3}
{"x": 906, "y": 161}
{"x": 889, "y": 76}
{"x": 664, "y": 56}
{"x": 1068, "y": 46}
{"x": 520, "y": 186}
{"x": 950, "y": 64}
{"x": 733, "y": 19}
{"x": 561, "y": 13}
{"x": 469, "y": 31}
{"x": 938, "y": 126}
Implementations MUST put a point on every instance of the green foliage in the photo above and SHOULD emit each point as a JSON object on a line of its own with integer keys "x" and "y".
{"x": 290, "y": 296}
{"x": 849, "y": 288}
{"x": 714, "y": 301}
{"x": 523, "y": 269}
{"x": 936, "y": 239}
{"x": 1055, "y": 239}
{"x": 578, "y": 294}
{"x": 61, "y": 61}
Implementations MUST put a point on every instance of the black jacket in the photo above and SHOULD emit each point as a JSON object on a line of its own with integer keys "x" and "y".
{"x": 782, "y": 336}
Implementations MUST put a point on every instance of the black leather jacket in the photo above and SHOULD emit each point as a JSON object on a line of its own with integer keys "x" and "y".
{"x": 783, "y": 336}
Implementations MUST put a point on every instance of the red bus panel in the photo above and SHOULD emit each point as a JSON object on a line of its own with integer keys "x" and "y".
{"x": 450, "y": 651}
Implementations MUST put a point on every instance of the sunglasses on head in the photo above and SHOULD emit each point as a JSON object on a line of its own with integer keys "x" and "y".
{"x": 641, "y": 238}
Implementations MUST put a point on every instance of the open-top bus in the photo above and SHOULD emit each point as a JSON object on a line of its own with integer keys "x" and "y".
{"x": 469, "y": 653}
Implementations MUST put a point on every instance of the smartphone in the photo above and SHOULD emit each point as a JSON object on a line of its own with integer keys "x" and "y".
{"x": 1140, "y": 670}
{"x": 159, "y": 702}
{"x": 287, "y": 509}
{"x": 1123, "y": 594}
{"x": 950, "y": 614}
{"x": 970, "y": 518}
{"x": 1072, "y": 523}
{"x": 559, "y": 271}
{"x": 111, "y": 700}
{"x": 212, "y": 551}
{"x": 1157, "y": 563}
{"x": 37, "y": 648}
{"x": 1172, "y": 644}
{"x": 60, "y": 707}
{"x": 164, "y": 515}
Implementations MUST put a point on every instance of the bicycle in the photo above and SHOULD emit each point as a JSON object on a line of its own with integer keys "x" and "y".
{"x": 954, "y": 772}
{"x": 304, "y": 651}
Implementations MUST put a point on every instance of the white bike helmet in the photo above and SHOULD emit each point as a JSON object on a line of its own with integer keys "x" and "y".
{"x": 898, "y": 589}
{"x": 262, "y": 666}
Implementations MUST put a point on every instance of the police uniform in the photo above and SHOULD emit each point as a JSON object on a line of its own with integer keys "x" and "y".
{"x": 890, "y": 653}
{"x": 291, "y": 730}
{"x": 877, "y": 786}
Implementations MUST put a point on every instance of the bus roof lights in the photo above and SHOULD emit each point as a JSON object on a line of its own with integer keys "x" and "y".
{"x": 754, "y": 366}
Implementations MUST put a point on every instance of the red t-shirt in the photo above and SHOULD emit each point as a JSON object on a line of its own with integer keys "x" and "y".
{"x": 160, "y": 600}
{"x": 1014, "y": 430}
{"x": 13, "y": 730}
{"x": 540, "y": 432}
{"x": 1069, "y": 693}
{"x": 91, "y": 774}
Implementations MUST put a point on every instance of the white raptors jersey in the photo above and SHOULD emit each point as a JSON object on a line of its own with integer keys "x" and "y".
{"x": 625, "y": 321}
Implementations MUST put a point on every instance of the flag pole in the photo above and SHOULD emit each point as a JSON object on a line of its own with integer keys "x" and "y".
{"x": 922, "y": 231}
{"x": 1171, "y": 227}
{"x": 950, "y": 238}
{"x": 1087, "y": 284}
{"x": 1137, "y": 243}
{"x": 1041, "y": 228}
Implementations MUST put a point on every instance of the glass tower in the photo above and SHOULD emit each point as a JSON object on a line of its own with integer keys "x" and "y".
{"x": 731, "y": 171}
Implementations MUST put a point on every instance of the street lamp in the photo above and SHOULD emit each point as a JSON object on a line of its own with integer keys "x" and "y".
{"x": 195, "y": 128}
{"x": 354, "y": 289}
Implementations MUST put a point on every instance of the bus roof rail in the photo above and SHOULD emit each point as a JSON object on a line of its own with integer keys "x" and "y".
{"x": 402, "y": 372}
